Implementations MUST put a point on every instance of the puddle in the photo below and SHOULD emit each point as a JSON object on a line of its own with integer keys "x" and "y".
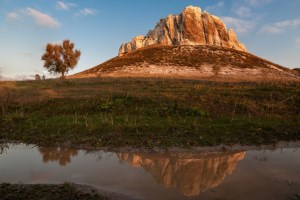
{"x": 255, "y": 174}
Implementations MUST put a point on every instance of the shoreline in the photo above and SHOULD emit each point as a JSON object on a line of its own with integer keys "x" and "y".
{"x": 81, "y": 191}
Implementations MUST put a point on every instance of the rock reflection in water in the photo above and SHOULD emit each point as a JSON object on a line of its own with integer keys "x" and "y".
{"x": 189, "y": 174}
{"x": 58, "y": 154}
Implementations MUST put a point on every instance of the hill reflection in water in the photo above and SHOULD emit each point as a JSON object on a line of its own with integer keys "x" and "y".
{"x": 190, "y": 174}
{"x": 185, "y": 175}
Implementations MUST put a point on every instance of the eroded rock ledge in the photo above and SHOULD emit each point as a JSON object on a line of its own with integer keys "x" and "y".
{"x": 191, "y": 27}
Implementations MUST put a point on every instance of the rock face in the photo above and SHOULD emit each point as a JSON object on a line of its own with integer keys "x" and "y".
{"x": 191, "y": 27}
{"x": 189, "y": 174}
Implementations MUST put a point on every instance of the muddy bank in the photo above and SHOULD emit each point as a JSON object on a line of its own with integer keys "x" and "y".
{"x": 171, "y": 150}
{"x": 66, "y": 191}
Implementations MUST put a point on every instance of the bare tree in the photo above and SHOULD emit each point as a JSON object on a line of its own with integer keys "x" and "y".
{"x": 60, "y": 58}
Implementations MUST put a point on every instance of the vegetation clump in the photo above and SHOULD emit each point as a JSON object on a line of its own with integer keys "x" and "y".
{"x": 45, "y": 192}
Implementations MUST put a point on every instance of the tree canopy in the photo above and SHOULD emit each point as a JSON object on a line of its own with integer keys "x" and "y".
{"x": 60, "y": 58}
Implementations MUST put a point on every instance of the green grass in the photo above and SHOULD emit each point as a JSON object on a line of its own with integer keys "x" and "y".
{"x": 150, "y": 112}
{"x": 44, "y": 192}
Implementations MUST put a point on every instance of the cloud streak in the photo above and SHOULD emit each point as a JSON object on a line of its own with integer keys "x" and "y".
{"x": 244, "y": 8}
{"x": 215, "y": 7}
{"x": 243, "y": 11}
{"x": 256, "y": 3}
{"x": 245, "y": 17}
{"x": 86, "y": 11}
{"x": 280, "y": 27}
{"x": 64, "y": 6}
{"x": 40, "y": 18}
{"x": 12, "y": 16}
{"x": 239, "y": 25}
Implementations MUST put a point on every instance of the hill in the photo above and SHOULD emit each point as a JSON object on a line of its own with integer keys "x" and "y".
{"x": 188, "y": 61}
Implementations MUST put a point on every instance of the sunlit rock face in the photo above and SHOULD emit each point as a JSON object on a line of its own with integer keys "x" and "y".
{"x": 190, "y": 174}
{"x": 191, "y": 27}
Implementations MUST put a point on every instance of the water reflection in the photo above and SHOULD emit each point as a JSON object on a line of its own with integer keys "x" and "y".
{"x": 61, "y": 155}
{"x": 190, "y": 174}
{"x": 3, "y": 147}
{"x": 259, "y": 174}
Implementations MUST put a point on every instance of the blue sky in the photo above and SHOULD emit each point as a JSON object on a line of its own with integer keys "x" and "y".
{"x": 269, "y": 28}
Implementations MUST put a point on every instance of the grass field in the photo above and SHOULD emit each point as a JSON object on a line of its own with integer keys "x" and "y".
{"x": 115, "y": 112}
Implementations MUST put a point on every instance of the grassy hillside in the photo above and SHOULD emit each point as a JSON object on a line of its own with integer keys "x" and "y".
{"x": 186, "y": 56}
{"x": 149, "y": 112}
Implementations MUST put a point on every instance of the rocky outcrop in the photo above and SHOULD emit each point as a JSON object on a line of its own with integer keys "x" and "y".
{"x": 191, "y": 27}
{"x": 190, "y": 174}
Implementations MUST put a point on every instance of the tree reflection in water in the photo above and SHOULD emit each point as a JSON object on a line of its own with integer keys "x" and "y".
{"x": 61, "y": 155}
{"x": 3, "y": 147}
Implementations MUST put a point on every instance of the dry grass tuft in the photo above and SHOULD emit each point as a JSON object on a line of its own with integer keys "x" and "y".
{"x": 7, "y": 98}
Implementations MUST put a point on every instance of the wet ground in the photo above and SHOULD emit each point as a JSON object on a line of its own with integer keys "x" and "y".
{"x": 254, "y": 174}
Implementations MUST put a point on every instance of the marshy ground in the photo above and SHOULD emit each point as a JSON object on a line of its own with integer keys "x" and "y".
{"x": 148, "y": 112}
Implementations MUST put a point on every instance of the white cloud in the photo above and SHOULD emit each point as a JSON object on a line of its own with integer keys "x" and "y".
{"x": 86, "y": 11}
{"x": 239, "y": 25}
{"x": 12, "y": 16}
{"x": 64, "y": 6}
{"x": 244, "y": 8}
{"x": 258, "y": 2}
{"x": 40, "y": 18}
{"x": 280, "y": 27}
{"x": 215, "y": 7}
{"x": 243, "y": 11}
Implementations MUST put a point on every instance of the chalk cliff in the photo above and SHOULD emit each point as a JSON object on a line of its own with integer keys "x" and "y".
{"x": 191, "y": 27}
